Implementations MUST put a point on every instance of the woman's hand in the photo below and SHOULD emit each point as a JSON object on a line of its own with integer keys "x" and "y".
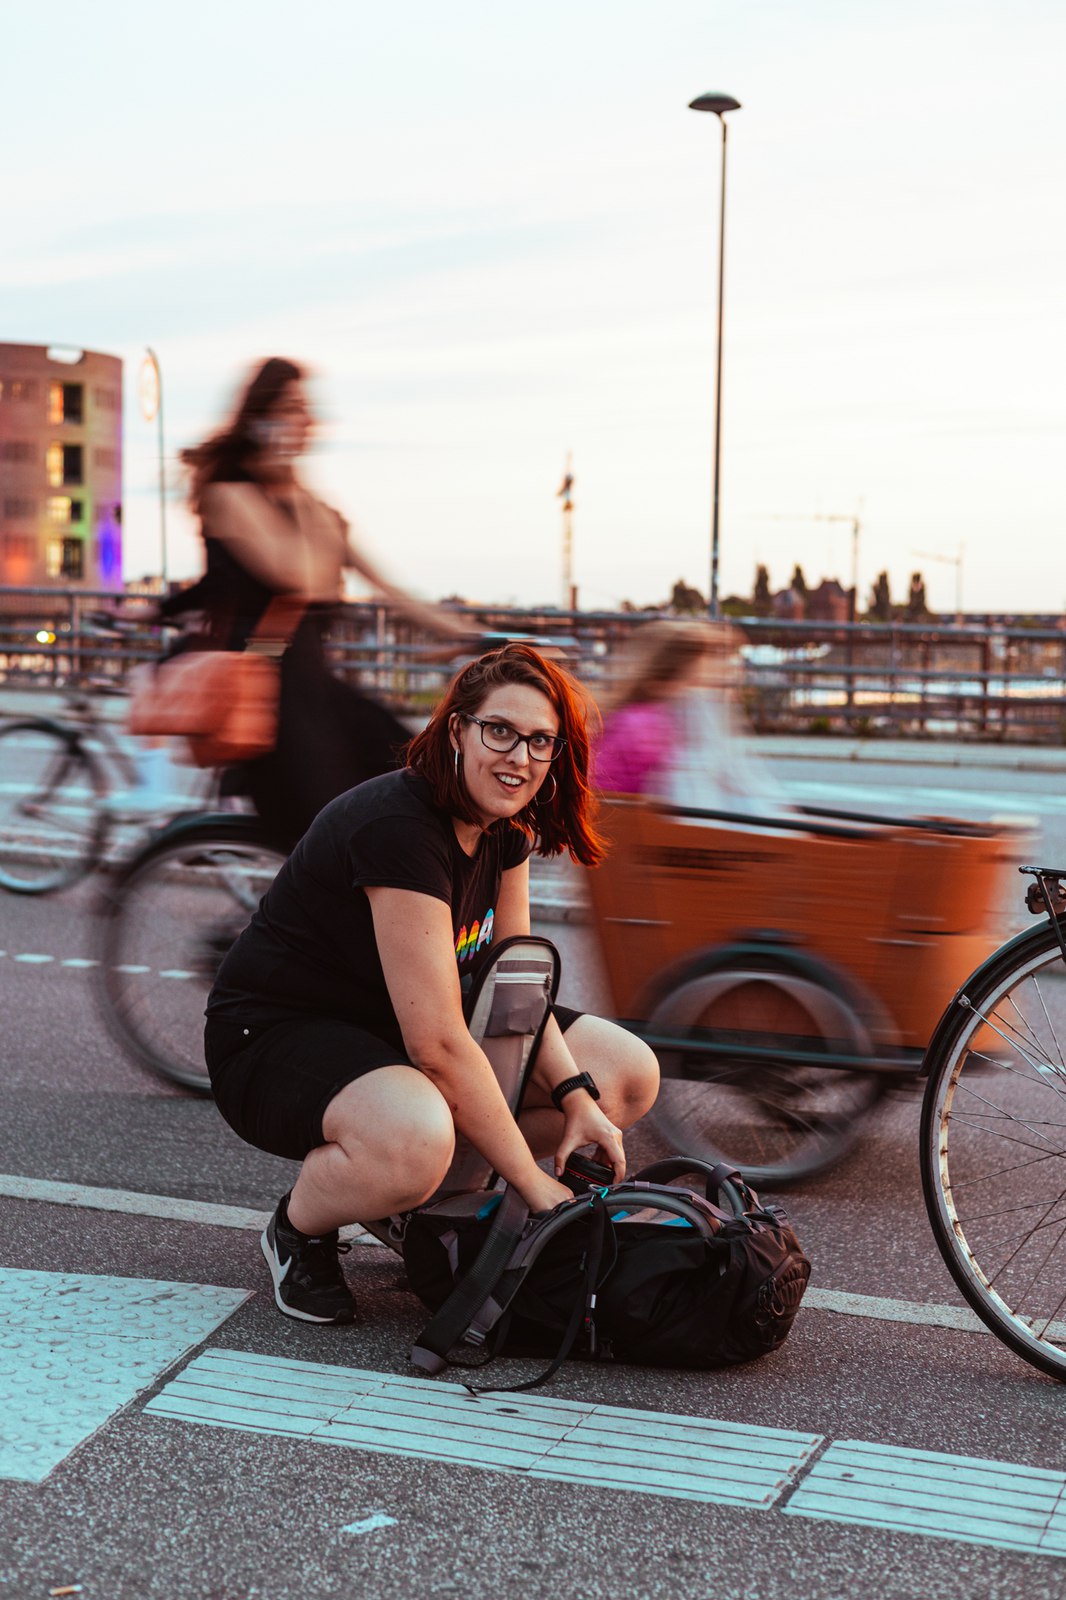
{"x": 584, "y": 1123}
{"x": 543, "y": 1193}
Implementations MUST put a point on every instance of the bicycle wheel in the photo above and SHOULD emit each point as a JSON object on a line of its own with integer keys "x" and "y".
{"x": 167, "y": 923}
{"x": 52, "y": 823}
{"x": 993, "y": 1145}
{"x": 778, "y": 1121}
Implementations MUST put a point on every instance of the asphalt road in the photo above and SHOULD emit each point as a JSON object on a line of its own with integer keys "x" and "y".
{"x": 104, "y": 1486}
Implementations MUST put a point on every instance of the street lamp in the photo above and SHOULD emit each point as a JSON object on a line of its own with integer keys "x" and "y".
{"x": 151, "y": 397}
{"x": 719, "y": 104}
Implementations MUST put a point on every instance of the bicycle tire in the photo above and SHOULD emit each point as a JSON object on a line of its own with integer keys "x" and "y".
{"x": 777, "y": 1123}
{"x": 52, "y": 820}
{"x": 166, "y": 923}
{"x": 993, "y": 1145}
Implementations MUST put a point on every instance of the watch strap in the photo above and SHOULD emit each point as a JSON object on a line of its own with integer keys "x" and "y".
{"x": 583, "y": 1080}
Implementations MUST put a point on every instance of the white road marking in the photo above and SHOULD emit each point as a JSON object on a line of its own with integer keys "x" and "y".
{"x": 79, "y": 961}
{"x": 923, "y": 1491}
{"x": 377, "y": 1519}
{"x": 884, "y": 1310}
{"x": 34, "y": 960}
{"x": 133, "y": 1203}
{"x": 649, "y": 1452}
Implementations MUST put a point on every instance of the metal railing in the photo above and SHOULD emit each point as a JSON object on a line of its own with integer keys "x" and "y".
{"x": 985, "y": 679}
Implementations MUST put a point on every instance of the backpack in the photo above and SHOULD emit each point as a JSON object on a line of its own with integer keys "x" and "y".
{"x": 642, "y": 1272}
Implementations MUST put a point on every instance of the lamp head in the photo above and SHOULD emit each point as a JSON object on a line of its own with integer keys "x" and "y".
{"x": 718, "y": 103}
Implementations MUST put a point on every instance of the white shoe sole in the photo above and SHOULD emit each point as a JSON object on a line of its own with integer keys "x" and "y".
{"x": 276, "y": 1275}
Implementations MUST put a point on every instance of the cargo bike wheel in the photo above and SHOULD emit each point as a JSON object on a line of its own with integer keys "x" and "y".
{"x": 993, "y": 1145}
{"x": 166, "y": 923}
{"x": 749, "y": 1081}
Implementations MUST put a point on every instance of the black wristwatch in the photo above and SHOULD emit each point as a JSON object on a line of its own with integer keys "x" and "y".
{"x": 582, "y": 1081}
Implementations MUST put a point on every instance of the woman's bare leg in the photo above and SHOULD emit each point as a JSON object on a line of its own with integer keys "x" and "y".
{"x": 390, "y": 1139}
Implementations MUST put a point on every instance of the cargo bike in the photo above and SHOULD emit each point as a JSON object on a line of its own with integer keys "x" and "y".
{"x": 788, "y": 969}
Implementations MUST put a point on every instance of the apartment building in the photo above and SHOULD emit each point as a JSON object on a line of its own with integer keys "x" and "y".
{"x": 60, "y": 467}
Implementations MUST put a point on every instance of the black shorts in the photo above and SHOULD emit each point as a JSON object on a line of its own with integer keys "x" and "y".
{"x": 272, "y": 1082}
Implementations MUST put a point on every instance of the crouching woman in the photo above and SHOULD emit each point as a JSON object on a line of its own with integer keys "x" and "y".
{"x": 335, "y": 1030}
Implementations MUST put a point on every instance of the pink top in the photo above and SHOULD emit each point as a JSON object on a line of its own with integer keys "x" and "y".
{"x": 635, "y": 746}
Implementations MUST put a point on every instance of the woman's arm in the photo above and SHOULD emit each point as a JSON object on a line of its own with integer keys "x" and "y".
{"x": 414, "y": 940}
{"x": 430, "y": 617}
{"x": 583, "y": 1121}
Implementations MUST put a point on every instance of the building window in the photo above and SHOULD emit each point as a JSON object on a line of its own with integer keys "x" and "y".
{"x": 66, "y": 402}
{"x": 18, "y": 509}
{"x": 53, "y": 462}
{"x": 73, "y": 467}
{"x": 59, "y": 506}
{"x": 105, "y": 458}
{"x": 64, "y": 558}
{"x": 19, "y": 389}
{"x": 77, "y": 511}
{"x": 105, "y": 399}
{"x": 18, "y": 450}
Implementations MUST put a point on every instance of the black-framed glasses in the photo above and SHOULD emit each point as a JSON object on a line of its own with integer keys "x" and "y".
{"x": 502, "y": 738}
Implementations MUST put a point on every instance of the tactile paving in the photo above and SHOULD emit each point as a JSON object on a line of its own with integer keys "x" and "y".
{"x": 651, "y": 1452}
{"x": 75, "y": 1349}
{"x": 996, "y": 1503}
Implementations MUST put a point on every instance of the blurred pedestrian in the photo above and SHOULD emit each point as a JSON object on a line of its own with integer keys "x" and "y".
{"x": 266, "y": 535}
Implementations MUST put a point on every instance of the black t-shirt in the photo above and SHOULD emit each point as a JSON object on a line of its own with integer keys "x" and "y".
{"x": 310, "y": 946}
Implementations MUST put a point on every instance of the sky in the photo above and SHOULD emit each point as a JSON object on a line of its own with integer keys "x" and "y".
{"x": 491, "y": 230}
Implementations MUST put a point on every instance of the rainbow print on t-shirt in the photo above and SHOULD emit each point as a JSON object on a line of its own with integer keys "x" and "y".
{"x": 469, "y": 942}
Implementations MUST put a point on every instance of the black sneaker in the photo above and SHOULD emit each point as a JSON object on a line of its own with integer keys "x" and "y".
{"x": 308, "y": 1282}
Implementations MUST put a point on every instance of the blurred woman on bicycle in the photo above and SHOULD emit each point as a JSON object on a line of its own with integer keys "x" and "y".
{"x": 266, "y": 535}
{"x": 335, "y": 1032}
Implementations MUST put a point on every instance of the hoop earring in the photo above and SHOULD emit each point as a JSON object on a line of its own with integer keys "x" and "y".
{"x": 455, "y": 753}
{"x": 555, "y": 790}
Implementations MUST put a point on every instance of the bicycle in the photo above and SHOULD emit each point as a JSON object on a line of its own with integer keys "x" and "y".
{"x": 993, "y": 1134}
{"x": 167, "y": 917}
{"x": 61, "y": 779}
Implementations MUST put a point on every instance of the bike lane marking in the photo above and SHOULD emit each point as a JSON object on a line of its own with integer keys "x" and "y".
{"x": 132, "y": 1202}
{"x": 76, "y": 1349}
{"x": 136, "y": 1203}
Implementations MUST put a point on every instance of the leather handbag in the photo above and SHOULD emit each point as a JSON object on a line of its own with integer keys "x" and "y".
{"x": 224, "y": 702}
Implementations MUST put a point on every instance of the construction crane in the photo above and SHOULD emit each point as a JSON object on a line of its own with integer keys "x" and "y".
{"x": 952, "y": 561}
{"x": 565, "y": 495}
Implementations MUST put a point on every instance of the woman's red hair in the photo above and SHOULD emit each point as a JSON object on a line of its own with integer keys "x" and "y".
{"x": 563, "y": 822}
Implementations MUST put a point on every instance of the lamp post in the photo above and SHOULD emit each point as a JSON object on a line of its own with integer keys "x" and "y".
{"x": 151, "y": 395}
{"x": 719, "y": 104}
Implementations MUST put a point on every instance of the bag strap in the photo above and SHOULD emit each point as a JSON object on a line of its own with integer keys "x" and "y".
{"x": 583, "y": 1310}
{"x": 720, "y": 1179}
{"x": 448, "y": 1324}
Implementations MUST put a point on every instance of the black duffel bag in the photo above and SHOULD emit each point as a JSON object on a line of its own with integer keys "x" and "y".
{"x": 642, "y": 1272}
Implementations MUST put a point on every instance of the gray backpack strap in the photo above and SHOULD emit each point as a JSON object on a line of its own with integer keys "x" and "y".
{"x": 506, "y": 1013}
{"x": 451, "y": 1321}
